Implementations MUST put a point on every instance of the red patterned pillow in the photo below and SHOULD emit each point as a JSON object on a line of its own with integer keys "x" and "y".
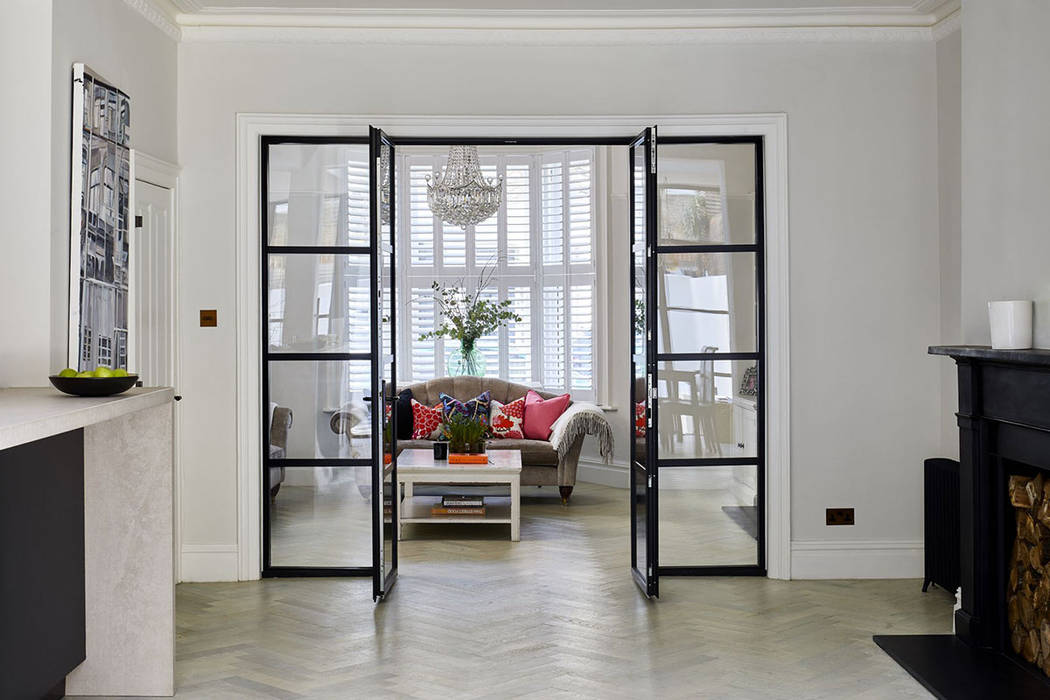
{"x": 426, "y": 421}
{"x": 506, "y": 419}
{"x": 639, "y": 419}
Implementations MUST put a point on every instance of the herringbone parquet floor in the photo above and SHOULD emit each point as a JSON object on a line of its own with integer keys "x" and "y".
{"x": 555, "y": 615}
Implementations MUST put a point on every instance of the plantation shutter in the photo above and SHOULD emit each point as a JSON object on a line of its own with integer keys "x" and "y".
{"x": 542, "y": 241}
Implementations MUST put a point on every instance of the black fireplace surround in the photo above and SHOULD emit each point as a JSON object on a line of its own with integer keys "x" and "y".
{"x": 1004, "y": 428}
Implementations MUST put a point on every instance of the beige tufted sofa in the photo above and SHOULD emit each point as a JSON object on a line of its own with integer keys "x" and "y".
{"x": 540, "y": 465}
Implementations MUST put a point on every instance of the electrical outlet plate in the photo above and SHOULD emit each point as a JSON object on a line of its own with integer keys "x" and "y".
{"x": 840, "y": 516}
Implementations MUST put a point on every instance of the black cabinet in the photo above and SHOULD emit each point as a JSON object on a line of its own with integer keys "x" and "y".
{"x": 41, "y": 564}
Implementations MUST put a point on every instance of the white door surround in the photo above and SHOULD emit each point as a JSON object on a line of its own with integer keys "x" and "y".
{"x": 162, "y": 174}
{"x": 251, "y": 126}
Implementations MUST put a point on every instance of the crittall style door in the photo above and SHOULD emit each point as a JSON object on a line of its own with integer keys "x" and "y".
{"x": 705, "y": 352}
{"x": 644, "y": 476}
{"x": 384, "y": 365}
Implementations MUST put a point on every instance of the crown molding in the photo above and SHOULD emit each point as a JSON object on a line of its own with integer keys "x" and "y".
{"x": 160, "y": 14}
{"x": 194, "y": 21}
{"x": 950, "y": 24}
{"x": 555, "y": 37}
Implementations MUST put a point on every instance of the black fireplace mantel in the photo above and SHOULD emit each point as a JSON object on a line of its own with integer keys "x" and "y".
{"x": 1004, "y": 424}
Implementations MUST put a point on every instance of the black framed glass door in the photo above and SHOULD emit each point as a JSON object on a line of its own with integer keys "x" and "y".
{"x": 644, "y": 485}
{"x": 707, "y": 323}
{"x": 384, "y": 365}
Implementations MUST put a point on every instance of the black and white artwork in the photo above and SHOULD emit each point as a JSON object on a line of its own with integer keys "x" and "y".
{"x": 99, "y": 250}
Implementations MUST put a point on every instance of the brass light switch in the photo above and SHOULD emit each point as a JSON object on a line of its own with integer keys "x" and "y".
{"x": 209, "y": 318}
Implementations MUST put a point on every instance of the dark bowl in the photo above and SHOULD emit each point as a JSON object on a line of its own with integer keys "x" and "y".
{"x": 94, "y": 386}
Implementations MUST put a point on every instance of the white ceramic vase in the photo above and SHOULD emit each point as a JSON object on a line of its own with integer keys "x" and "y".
{"x": 1011, "y": 324}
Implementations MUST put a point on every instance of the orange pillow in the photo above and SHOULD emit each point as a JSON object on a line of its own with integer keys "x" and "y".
{"x": 541, "y": 413}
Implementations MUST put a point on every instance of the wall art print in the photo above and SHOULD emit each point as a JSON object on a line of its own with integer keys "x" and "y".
{"x": 100, "y": 213}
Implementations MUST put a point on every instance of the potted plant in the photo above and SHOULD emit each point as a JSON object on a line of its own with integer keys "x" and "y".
{"x": 464, "y": 435}
{"x": 466, "y": 316}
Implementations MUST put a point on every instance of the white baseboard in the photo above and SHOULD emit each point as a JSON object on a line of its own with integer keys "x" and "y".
{"x": 820, "y": 559}
{"x": 597, "y": 472}
{"x": 209, "y": 562}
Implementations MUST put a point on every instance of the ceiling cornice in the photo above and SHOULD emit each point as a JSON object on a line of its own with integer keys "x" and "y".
{"x": 923, "y": 20}
{"x": 160, "y": 14}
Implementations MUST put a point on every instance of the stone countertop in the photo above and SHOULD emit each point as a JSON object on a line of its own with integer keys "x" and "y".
{"x": 36, "y": 413}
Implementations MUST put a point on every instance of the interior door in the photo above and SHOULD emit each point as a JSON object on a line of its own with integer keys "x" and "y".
{"x": 643, "y": 483}
{"x": 152, "y": 355}
{"x": 384, "y": 374}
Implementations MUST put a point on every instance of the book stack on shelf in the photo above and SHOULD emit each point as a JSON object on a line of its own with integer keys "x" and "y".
{"x": 460, "y": 505}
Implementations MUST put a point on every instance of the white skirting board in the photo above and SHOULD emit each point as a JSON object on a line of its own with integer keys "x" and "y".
{"x": 597, "y": 472}
{"x": 209, "y": 562}
{"x": 824, "y": 559}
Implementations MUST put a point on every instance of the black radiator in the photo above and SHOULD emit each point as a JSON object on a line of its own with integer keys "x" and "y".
{"x": 941, "y": 498}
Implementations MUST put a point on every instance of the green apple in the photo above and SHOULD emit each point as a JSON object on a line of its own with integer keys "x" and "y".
{"x": 68, "y": 372}
{"x": 85, "y": 375}
{"x": 102, "y": 372}
{"x": 120, "y": 373}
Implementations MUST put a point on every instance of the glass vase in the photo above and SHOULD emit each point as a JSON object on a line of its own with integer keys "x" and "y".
{"x": 466, "y": 361}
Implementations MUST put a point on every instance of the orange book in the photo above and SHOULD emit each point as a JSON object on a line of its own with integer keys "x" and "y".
{"x": 454, "y": 458}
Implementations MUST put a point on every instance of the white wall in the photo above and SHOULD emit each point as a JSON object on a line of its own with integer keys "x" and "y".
{"x": 39, "y": 42}
{"x": 949, "y": 191}
{"x": 25, "y": 142}
{"x": 1005, "y": 161}
{"x": 124, "y": 48}
{"x": 864, "y": 231}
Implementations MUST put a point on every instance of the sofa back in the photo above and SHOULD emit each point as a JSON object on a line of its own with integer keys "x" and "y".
{"x": 467, "y": 387}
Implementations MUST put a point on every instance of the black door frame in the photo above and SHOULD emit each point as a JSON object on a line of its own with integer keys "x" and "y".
{"x": 759, "y": 356}
{"x": 383, "y": 387}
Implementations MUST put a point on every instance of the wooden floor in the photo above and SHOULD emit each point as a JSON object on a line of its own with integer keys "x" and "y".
{"x": 556, "y": 615}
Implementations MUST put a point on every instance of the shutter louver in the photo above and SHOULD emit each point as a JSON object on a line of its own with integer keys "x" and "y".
{"x": 519, "y": 207}
{"x": 554, "y": 336}
{"x": 519, "y": 336}
{"x": 542, "y": 241}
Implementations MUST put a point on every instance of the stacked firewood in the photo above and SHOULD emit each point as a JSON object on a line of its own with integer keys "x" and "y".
{"x": 1028, "y": 592}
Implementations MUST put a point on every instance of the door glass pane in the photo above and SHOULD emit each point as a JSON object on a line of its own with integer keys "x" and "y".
{"x": 317, "y": 194}
{"x": 707, "y": 409}
{"x": 329, "y": 417}
{"x": 320, "y": 516}
{"x": 640, "y": 511}
{"x": 707, "y": 193}
{"x": 318, "y": 303}
{"x": 709, "y": 516}
{"x": 706, "y": 302}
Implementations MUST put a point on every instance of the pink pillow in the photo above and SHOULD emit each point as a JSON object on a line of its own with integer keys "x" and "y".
{"x": 541, "y": 413}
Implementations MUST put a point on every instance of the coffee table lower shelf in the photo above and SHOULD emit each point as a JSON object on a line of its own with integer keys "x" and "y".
{"x": 416, "y": 509}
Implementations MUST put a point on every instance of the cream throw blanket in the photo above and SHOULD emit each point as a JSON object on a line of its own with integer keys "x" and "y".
{"x": 582, "y": 418}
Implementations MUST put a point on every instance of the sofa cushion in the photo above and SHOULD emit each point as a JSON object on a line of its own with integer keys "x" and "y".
{"x": 477, "y": 409}
{"x": 541, "y": 413}
{"x": 428, "y": 392}
{"x": 404, "y": 415}
{"x": 533, "y": 452}
{"x": 507, "y": 418}
{"x": 426, "y": 421}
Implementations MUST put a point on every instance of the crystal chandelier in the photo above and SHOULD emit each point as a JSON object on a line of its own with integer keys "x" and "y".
{"x": 461, "y": 195}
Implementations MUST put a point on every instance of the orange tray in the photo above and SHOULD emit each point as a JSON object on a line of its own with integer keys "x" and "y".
{"x": 454, "y": 458}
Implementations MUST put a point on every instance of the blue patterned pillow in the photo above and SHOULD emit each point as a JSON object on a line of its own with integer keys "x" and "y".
{"x": 476, "y": 409}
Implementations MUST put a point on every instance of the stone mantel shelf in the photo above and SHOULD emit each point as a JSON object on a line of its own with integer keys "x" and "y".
{"x": 36, "y": 413}
{"x": 1034, "y": 356}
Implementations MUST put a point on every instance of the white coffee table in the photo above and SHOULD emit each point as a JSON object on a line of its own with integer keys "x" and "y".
{"x": 417, "y": 466}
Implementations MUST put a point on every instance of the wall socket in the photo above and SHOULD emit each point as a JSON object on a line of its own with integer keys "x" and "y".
{"x": 840, "y": 516}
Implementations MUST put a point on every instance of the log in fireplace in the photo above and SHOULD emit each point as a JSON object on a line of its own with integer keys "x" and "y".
{"x": 999, "y": 648}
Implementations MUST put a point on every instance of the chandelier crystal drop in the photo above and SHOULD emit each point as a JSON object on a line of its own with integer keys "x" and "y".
{"x": 461, "y": 195}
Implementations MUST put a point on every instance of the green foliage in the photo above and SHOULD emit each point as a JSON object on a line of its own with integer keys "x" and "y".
{"x": 463, "y": 432}
{"x": 465, "y": 316}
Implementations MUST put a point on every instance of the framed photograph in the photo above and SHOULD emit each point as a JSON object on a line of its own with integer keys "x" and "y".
{"x": 100, "y": 217}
